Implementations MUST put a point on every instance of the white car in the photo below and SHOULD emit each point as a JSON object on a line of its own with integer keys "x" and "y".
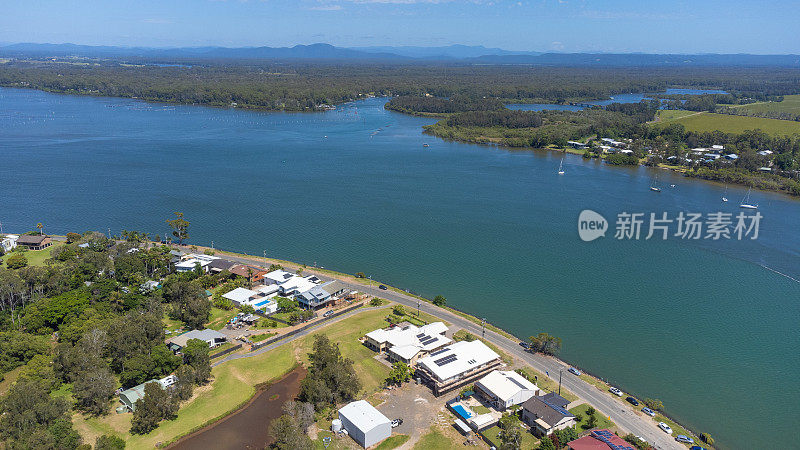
{"x": 667, "y": 429}
{"x": 615, "y": 391}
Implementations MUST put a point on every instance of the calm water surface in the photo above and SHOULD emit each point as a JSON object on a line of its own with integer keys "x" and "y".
{"x": 704, "y": 326}
{"x": 618, "y": 98}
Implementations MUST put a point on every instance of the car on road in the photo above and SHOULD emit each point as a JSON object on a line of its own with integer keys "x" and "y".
{"x": 383, "y": 287}
{"x": 667, "y": 429}
{"x": 615, "y": 391}
{"x": 697, "y": 447}
{"x": 649, "y": 411}
{"x": 574, "y": 371}
{"x": 525, "y": 345}
{"x": 632, "y": 401}
{"x": 685, "y": 439}
{"x": 396, "y": 423}
{"x": 328, "y": 314}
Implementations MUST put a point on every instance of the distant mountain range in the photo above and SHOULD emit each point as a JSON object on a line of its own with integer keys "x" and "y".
{"x": 454, "y": 53}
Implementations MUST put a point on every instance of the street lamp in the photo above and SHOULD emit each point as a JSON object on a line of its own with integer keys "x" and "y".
{"x": 560, "y": 372}
{"x": 483, "y": 328}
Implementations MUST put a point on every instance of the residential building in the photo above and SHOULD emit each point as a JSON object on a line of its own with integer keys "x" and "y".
{"x": 321, "y": 295}
{"x": 600, "y": 439}
{"x": 576, "y": 144}
{"x": 211, "y": 337}
{"x": 251, "y": 273}
{"x": 277, "y": 277}
{"x": 219, "y": 265}
{"x": 8, "y": 242}
{"x": 129, "y": 397}
{"x": 191, "y": 261}
{"x": 34, "y": 241}
{"x": 504, "y": 389}
{"x": 456, "y": 365}
{"x": 365, "y": 424}
{"x": 259, "y": 299}
{"x": 546, "y": 414}
{"x": 408, "y": 343}
{"x": 295, "y": 285}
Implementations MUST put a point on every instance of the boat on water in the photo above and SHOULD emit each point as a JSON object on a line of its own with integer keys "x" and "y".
{"x": 425, "y": 145}
{"x": 672, "y": 185}
{"x": 561, "y": 167}
{"x": 654, "y": 185}
{"x": 724, "y": 194}
{"x": 746, "y": 201}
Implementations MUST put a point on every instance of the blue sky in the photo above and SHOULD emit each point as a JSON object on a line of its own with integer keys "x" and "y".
{"x": 733, "y": 26}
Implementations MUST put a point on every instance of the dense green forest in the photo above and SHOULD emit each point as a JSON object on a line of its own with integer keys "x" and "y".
{"x": 309, "y": 86}
{"x": 82, "y": 325}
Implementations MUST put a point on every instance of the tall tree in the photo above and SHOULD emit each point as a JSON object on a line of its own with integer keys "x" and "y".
{"x": 544, "y": 343}
{"x": 180, "y": 227}
{"x": 195, "y": 354}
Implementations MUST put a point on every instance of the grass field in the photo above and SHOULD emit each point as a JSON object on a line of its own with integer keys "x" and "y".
{"x": 234, "y": 383}
{"x": 436, "y": 440}
{"x": 528, "y": 440}
{"x": 790, "y": 104}
{"x": 602, "y": 421}
{"x": 548, "y": 384}
{"x": 726, "y": 123}
{"x": 219, "y": 317}
{"x": 393, "y": 442}
{"x": 35, "y": 257}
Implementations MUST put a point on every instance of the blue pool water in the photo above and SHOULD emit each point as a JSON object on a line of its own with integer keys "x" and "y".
{"x": 462, "y": 411}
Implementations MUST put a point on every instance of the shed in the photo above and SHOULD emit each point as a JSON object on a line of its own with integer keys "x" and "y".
{"x": 364, "y": 423}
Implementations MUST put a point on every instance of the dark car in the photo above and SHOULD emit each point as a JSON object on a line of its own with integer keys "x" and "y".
{"x": 382, "y": 287}
{"x": 632, "y": 401}
{"x": 525, "y": 345}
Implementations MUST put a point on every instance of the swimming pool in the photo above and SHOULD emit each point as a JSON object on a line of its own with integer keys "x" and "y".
{"x": 462, "y": 411}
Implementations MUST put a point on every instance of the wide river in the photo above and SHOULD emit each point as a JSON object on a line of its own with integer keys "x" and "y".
{"x": 708, "y": 327}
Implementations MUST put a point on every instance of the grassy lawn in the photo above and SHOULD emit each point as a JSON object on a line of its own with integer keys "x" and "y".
{"x": 790, "y": 104}
{"x": 602, "y": 421}
{"x": 393, "y": 442}
{"x": 9, "y": 378}
{"x": 35, "y": 257}
{"x": 234, "y": 383}
{"x": 346, "y": 333}
{"x": 171, "y": 325}
{"x": 261, "y": 337}
{"x": 436, "y": 440}
{"x": 528, "y": 440}
{"x": 731, "y": 124}
{"x": 219, "y": 317}
{"x": 480, "y": 409}
{"x": 548, "y": 384}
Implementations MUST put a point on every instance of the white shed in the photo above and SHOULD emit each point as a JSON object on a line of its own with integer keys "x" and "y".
{"x": 364, "y": 423}
{"x": 505, "y": 389}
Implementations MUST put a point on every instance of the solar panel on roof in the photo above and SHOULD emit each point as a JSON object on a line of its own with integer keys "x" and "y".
{"x": 557, "y": 408}
{"x": 446, "y": 360}
{"x": 439, "y": 352}
{"x": 420, "y": 336}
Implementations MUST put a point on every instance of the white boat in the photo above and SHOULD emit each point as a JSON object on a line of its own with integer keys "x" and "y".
{"x": 561, "y": 167}
{"x": 724, "y": 198}
{"x": 746, "y": 201}
{"x": 654, "y": 185}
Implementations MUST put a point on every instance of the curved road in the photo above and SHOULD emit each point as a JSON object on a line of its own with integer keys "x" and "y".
{"x": 623, "y": 415}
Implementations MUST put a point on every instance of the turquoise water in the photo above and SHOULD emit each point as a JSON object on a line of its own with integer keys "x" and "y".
{"x": 701, "y": 325}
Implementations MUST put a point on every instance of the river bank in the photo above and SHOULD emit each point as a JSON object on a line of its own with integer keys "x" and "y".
{"x": 248, "y": 426}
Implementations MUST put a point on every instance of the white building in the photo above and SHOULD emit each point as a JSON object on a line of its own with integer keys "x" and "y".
{"x": 9, "y": 242}
{"x": 296, "y": 285}
{"x": 278, "y": 277}
{"x": 365, "y": 424}
{"x": 408, "y": 343}
{"x": 505, "y": 389}
{"x": 189, "y": 262}
{"x": 258, "y": 299}
{"x": 456, "y": 365}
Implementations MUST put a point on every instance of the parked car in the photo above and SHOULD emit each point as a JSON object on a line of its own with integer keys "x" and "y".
{"x": 697, "y": 447}
{"x": 632, "y": 401}
{"x": 525, "y": 345}
{"x": 382, "y": 287}
{"x": 685, "y": 439}
{"x": 615, "y": 391}
{"x": 649, "y": 411}
{"x": 328, "y": 314}
{"x": 667, "y": 429}
{"x": 396, "y": 423}
{"x": 574, "y": 371}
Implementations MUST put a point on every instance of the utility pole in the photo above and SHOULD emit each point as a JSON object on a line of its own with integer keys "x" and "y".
{"x": 265, "y": 259}
{"x": 418, "y": 302}
{"x": 212, "y": 245}
{"x": 483, "y": 328}
{"x": 560, "y": 372}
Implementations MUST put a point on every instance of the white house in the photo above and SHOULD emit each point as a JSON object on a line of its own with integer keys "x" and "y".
{"x": 505, "y": 389}
{"x": 365, "y": 424}
{"x": 259, "y": 299}
{"x": 9, "y": 242}
{"x": 211, "y": 337}
{"x": 295, "y": 285}
{"x": 408, "y": 343}
{"x": 189, "y": 262}
{"x": 278, "y": 277}
{"x": 456, "y": 365}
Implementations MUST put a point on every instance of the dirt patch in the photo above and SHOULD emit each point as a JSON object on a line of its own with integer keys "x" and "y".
{"x": 249, "y": 426}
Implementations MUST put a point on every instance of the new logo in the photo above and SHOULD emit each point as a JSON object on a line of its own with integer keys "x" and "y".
{"x": 591, "y": 225}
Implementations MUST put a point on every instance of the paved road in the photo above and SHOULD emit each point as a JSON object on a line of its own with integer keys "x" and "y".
{"x": 623, "y": 415}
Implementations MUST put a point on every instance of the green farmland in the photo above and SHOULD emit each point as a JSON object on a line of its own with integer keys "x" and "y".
{"x": 726, "y": 123}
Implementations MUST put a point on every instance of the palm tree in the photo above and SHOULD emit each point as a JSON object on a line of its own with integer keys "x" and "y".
{"x": 40, "y": 227}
